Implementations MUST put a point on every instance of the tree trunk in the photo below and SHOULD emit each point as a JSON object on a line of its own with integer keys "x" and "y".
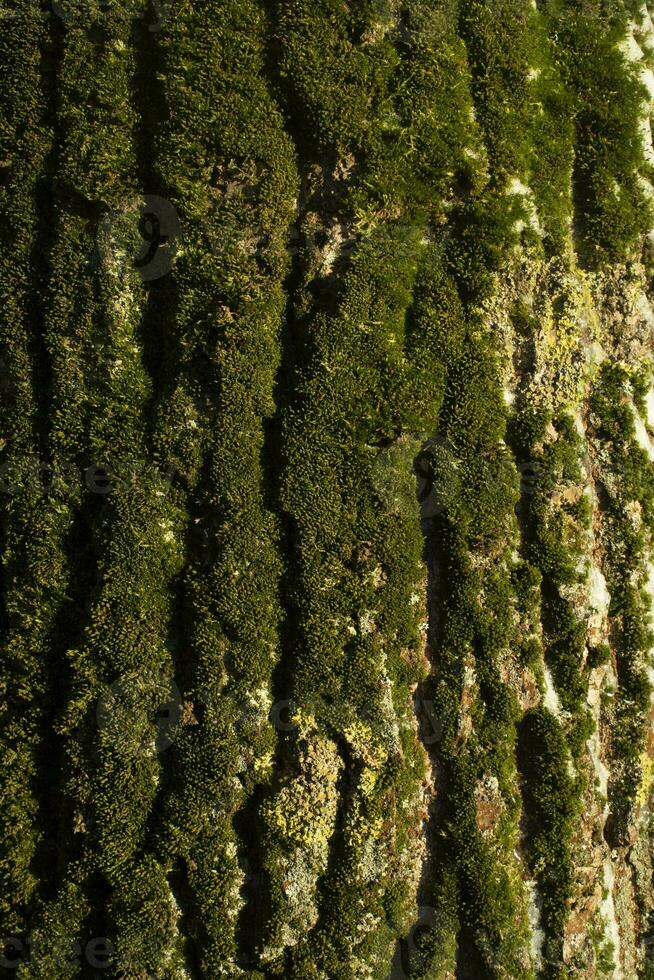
{"x": 327, "y": 489}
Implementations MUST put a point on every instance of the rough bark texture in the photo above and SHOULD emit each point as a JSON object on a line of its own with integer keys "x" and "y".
{"x": 327, "y": 489}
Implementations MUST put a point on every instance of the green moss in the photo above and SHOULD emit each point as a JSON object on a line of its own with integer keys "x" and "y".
{"x": 599, "y": 656}
{"x": 476, "y": 627}
{"x": 502, "y": 42}
{"x": 31, "y": 574}
{"x": 299, "y": 402}
{"x": 551, "y": 807}
{"x": 612, "y": 211}
{"x": 98, "y": 394}
{"x": 631, "y": 475}
{"x": 555, "y": 539}
{"x": 228, "y": 166}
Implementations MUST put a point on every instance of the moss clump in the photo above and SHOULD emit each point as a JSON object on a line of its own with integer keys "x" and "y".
{"x": 551, "y": 808}
{"x": 629, "y": 515}
{"x": 224, "y": 159}
{"x": 599, "y": 656}
{"x": 32, "y": 571}
{"x": 373, "y": 326}
{"x": 556, "y": 524}
{"x": 612, "y": 210}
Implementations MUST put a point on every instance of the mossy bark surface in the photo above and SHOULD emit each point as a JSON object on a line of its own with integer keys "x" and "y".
{"x": 327, "y": 489}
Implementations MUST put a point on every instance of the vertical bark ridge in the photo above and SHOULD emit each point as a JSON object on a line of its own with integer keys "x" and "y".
{"x": 26, "y": 140}
{"x": 229, "y": 168}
